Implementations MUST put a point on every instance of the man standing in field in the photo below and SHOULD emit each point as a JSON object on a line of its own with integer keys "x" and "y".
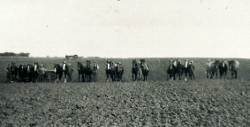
{"x": 191, "y": 64}
{"x": 65, "y": 68}
{"x": 95, "y": 68}
{"x": 8, "y": 72}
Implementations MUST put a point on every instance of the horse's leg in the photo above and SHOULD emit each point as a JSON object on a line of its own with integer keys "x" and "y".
{"x": 12, "y": 76}
{"x": 121, "y": 77}
{"x": 133, "y": 76}
{"x": 83, "y": 77}
{"x": 216, "y": 74}
{"x": 91, "y": 78}
{"x": 144, "y": 77}
{"x": 193, "y": 75}
{"x": 95, "y": 77}
{"x": 179, "y": 74}
{"x": 174, "y": 76}
{"x": 107, "y": 76}
{"x": 78, "y": 77}
{"x": 65, "y": 76}
{"x": 235, "y": 74}
{"x": 225, "y": 74}
{"x": 232, "y": 74}
{"x": 207, "y": 74}
{"x": 220, "y": 74}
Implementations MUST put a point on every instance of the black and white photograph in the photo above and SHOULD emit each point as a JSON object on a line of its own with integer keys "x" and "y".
{"x": 124, "y": 63}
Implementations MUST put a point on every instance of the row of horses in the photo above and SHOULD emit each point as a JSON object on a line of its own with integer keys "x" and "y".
{"x": 32, "y": 73}
{"x": 221, "y": 67}
{"x": 37, "y": 72}
{"x": 114, "y": 71}
{"x": 213, "y": 68}
{"x": 176, "y": 68}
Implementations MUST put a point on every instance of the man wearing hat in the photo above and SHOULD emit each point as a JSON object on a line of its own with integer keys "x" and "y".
{"x": 192, "y": 69}
{"x": 95, "y": 66}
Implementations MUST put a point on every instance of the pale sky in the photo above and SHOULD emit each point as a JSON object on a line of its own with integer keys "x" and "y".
{"x": 126, "y": 28}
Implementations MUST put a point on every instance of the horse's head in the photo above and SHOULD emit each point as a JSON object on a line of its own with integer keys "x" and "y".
{"x": 216, "y": 63}
{"x": 134, "y": 63}
{"x": 108, "y": 65}
{"x": 186, "y": 63}
{"x": 174, "y": 63}
{"x": 232, "y": 64}
{"x": 79, "y": 66}
{"x": 171, "y": 66}
{"x": 13, "y": 67}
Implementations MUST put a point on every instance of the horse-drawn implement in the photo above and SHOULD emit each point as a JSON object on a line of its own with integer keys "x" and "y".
{"x": 73, "y": 57}
{"x": 50, "y": 76}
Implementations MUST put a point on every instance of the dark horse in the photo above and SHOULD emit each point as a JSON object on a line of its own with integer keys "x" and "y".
{"x": 135, "y": 69}
{"x": 110, "y": 71}
{"x": 81, "y": 72}
{"x": 13, "y": 71}
{"x": 212, "y": 69}
{"x": 223, "y": 69}
{"x": 30, "y": 72}
{"x": 89, "y": 72}
{"x": 85, "y": 72}
{"x": 66, "y": 71}
{"x": 178, "y": 69}
{"x": 189, "y": 70}
{"x": 59, "y": 72}
{"x": 233, "y": 67}
{"x": 170, "y": 70}
{"x": 145, "y": 70}
{"x": 119, "y": 71}
{"x": 62, "y": 71}
{"x": 22, "y": 72}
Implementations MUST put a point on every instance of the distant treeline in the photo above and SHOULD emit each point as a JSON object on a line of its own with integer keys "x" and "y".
{"x": 15, "y": 54}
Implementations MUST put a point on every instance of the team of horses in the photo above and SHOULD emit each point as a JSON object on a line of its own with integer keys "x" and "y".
{"x": 114, "y": 71}
{"x": 139, "y": 70}
{"x": 37, "y": 72}
{"x": 213, "y": 68}
{"x": 86, "y": 73}
{"x": 176, "y": 68}
{"x": 221, "y": 67}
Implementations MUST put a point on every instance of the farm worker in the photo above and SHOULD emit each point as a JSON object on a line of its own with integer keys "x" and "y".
{"x": 96, "y": 67}
{"x": 8, "y": 72}
{"x": 119, "y": 64}
{"x": 42, "y": 69}
{"x": 208, "y": 60}
{"x": 191, "y": 64}
{"x": 88, "y": 64}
